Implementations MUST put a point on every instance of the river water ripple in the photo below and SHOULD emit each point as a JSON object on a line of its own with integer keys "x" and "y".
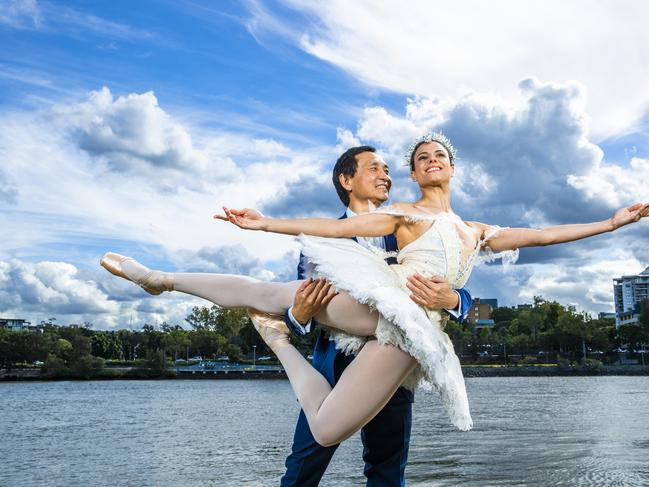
{"x": 545, "y": 431}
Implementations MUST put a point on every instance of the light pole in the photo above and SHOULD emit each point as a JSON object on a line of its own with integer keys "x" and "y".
{"x": 254, "y": 356}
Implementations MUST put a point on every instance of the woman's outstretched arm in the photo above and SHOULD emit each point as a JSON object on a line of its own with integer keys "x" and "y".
{"x": 366, "y": 225}
{"x": 514, "y": 238}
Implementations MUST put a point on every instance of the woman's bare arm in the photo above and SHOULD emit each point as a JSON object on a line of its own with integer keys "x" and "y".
{"x": 514, "y": 238}
{"x": 366, "y": 225}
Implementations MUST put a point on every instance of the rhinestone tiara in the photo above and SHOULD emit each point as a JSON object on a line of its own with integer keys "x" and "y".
{"x": 432, "y": 137}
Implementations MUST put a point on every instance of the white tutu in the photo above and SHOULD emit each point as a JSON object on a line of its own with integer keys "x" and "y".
{"x": 364, "y": 274}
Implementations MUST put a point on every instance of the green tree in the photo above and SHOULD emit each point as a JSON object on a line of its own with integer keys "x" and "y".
{"x": 176, "y": 341}
{"x": 156, "y": 362}
{"x": 460, "y": 335}
{"x": 106, "y": 344}
{"x": 503, "y": 316}
{"x": 87, "y": 366}
{"x": 207, "y": 343}
{"x": 631, "y": 335}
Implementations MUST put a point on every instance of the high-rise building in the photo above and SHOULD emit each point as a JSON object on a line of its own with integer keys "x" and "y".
{"x": 628, "y": 292}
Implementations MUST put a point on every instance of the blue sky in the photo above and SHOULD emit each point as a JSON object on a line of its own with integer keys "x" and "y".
{"x": 124, "y": 126}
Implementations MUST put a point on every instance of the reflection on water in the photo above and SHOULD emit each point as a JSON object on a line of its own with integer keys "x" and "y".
{"x": 528, "y": 431}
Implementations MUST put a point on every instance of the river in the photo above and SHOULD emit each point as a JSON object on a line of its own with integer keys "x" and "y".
{"x": 529, "y": 431}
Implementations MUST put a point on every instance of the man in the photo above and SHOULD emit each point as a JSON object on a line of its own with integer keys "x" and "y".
{"x": 360, "y": 176}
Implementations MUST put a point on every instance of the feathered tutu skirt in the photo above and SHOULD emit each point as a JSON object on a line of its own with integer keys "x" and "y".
{"x": 366, "y": 276}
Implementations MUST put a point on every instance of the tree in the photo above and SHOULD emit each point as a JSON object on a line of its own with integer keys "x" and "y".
{"x": 208, "y": 343}
{"x": 156, "y": 362}
{"x": 459, "y": 334}
{"x": 106, "y": 344}
{"x": 503, "y": 316}
{"x": 226, "y": 322}
{"x": 632, "y": 335}
{"x": 176, "y": 341}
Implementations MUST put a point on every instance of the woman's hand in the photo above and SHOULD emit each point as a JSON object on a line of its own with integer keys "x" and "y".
{"x": 248, "y": 218}
{"x": 632, "y": 214}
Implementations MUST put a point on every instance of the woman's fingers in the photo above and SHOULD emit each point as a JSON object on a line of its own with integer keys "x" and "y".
{"x": 635, "y": 207}
{"x": 644, "y": 211}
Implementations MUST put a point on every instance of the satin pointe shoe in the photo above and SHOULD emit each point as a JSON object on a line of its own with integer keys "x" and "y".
{"x": 271, "y": 328}
{"x": 153, "y": 282}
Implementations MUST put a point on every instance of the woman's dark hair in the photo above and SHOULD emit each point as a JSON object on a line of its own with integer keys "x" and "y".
{"x": 347, "y": 165}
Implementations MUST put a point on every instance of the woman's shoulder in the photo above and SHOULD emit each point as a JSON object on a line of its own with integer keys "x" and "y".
{"x": 398, "y": 207}
{"x": 478, "y": 226}
{"x": 408, "y": 211}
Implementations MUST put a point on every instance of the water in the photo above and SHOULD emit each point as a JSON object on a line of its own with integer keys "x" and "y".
{"x": 528, "y": 431}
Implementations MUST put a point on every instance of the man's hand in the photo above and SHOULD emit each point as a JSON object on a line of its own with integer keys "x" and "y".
{"x": 310, "y": 298}
{"x": 434, "y": 293}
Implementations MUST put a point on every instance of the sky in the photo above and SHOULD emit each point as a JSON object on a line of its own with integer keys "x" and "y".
{"x": 125, "y": 126}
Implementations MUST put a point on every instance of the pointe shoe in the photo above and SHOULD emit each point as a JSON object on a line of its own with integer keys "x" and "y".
{"x": 153, "y": 282}
{"x": 271, "y": 328}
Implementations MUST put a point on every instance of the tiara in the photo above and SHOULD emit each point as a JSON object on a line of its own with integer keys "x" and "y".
{"x": 438, "y": 137}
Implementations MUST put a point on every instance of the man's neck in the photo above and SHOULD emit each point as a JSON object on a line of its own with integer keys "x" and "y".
{"x": 362, "y": 206}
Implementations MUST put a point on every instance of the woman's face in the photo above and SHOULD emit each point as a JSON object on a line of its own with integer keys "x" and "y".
{"x": 432, "y": 164}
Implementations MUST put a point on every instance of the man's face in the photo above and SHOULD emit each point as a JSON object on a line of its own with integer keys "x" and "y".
{"x": 371, "y": 181}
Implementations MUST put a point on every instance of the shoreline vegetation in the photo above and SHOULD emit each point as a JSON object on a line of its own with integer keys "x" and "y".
{"x": 541, "y": 339}
{"x": 546, "y": 370}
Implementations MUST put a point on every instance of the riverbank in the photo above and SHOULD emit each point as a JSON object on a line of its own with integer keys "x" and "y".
{"x": 554, "y": 370}
{"x": 266, "y": 373}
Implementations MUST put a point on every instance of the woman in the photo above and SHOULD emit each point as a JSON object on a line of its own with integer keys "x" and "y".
{"x": 374, "y": 299}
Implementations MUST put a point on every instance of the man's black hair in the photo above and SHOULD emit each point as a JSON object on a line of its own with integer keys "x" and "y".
{"x": 347, "y": 165}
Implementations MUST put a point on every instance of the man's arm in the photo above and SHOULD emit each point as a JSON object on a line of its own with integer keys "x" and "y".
{"x": 436, "y": 293}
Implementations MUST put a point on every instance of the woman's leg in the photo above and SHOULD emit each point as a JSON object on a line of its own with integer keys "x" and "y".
{"x": 232, "y": 291}
{"x": 364, "y": 388}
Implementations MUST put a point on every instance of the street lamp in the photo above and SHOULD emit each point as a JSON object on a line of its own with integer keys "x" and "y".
{"x": 254, "y": 356}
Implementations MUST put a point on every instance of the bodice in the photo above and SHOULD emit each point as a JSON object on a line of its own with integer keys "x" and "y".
{"x": 447, "y": 248}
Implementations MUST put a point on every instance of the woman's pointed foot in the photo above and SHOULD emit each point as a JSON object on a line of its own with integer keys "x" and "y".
{"x": 153, "y": 282}
{"x": 271, "y": 328}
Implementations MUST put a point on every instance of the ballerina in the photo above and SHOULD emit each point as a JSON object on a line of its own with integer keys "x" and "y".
{"x": 411, "y": 347}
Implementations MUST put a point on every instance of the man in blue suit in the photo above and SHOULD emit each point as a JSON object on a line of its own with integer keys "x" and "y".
{"x": 360, "y": 176}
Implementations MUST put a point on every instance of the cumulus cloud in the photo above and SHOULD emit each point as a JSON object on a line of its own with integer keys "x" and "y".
{"x": 308, "y": 196}
{"x": 617, "y": 186}
{"x": 39, "y": 290}
{"x": 444, "y": 48}
{"x": 514, "y": 162}
{"x": 54, "y": 286}
{"x": 234, "y": 259}
{"x": 133, "y": 134}
{"x": 126, "y": 169}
